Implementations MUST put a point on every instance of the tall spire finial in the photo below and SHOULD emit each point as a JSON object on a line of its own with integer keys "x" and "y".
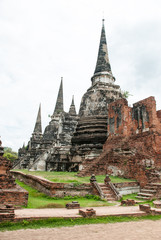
{"x": 72, "y": 110}
{"x": 38, "y": 127}
{"x": 103, "y": 64}
{"x": 103, "y": 17}
{"x": 59, "y": 102}
{"x": 73, "y": 100}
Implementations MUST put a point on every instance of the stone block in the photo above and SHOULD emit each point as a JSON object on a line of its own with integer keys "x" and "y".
{"x": 6, "y": 213}
{"x": 157, "y": 204}
{"x": 72, "y": 205}
{"x": 87, "y": 213}
{"x": 128, "y": 202}
{"x": 145, "y": 208}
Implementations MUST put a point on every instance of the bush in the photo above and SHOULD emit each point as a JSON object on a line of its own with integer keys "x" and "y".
{"x": 9, "y": 154}
{"x": 88, "y": 196}
{"x": 70, "y": 197}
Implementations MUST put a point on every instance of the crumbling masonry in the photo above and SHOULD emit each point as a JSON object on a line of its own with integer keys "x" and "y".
{"x": 133, "y": 147}
{"x": 10, "y": 192}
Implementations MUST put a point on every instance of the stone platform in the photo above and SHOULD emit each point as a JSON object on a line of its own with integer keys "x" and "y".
{"x": 31, "y": 214}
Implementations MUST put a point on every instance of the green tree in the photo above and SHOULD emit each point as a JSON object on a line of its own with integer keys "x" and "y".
{"x": 9, "y": 154}
{"x": 126, "y": 94}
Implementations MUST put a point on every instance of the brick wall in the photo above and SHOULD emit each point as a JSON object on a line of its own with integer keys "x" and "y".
{"x": 127, "y": 121}
{"x": 16, "y": 196}
{"x": 54, "y": 189}
{"x": 6, "y": 179}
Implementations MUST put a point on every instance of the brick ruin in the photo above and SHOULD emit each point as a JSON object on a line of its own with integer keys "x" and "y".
{"x": 133, "y": 147}
{"x": 10, "y": 192}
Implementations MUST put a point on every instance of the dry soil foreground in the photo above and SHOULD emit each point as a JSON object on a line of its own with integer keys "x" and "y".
{"x": 118, "y": 231}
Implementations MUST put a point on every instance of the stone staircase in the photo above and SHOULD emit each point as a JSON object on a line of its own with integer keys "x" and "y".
{"x": 106, "y": 190}
{"x": 155, "y": 176}
{"x": 150, "y": 191}
{"x": 147, "y": 193}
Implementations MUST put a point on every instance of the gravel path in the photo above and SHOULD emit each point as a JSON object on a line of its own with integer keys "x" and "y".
{"x": 142, "y": 230}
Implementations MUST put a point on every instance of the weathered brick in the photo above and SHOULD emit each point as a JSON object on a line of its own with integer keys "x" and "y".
{"x": 10, "y": 192}
{"x": 133, "y": 147}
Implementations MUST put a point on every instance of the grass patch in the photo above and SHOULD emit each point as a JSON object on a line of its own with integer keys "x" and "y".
{"x": 130, "y": 196}
{"x": 61, "y": 222}
{"x": 40, "y": 200}
{"x": 71, "y": 177}
{"x": 140, "y": 201}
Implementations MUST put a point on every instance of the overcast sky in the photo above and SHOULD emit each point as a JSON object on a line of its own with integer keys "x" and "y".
{"x": 44, "y": 40}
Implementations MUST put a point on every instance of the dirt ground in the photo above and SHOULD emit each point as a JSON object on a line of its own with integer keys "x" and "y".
{"x": 142, "y": 230}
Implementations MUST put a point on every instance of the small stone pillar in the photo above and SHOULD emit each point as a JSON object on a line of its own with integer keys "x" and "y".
{"x": 107, "y": 179}
{"x": 93, "y": 178}
{"x": 145, "y": 208}
{"x": 157, "y": 204}
{"x": 72, "y": 205}
{"x": 87, "y": 213}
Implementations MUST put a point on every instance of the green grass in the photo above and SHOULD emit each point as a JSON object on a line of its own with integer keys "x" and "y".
{"x": 139, "y": 201}
{"x": 130, "y": 196}
{"x": 71, "y": 177}
{"x": 60, "y": 222}
{"x": 40, "y": 200}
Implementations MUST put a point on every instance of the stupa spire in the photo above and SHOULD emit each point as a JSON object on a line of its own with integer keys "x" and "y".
{"x": 38, "y": 127}
{"x": 103, "y": 66}
{"x": 103, "y": 63}
{"x": 72, "y": 110}
{"x": 59, "y": 102}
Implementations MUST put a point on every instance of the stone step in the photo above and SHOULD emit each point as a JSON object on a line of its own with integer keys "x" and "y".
{"x": 110, "y": 199}
{"x": 145, "y": 194}
{"x": 105, "y": 188}
{"x": 154, "y": 189}
{"x": 154, "y": 176}
{"x": 144, "y": 198}
{"x": 148, "y": 191}
{"x": 103, "y": 185}
{"x": 108, "y": 194}
{"x": 150, "y": 187}
{"x": 106, "y": 191}
{"x": 155, "y": 184}
{"x": 154, "y": 173}
{"x": 153, "y": 180}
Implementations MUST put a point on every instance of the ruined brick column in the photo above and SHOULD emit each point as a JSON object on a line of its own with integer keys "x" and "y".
{"x": 10, "y": 193}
